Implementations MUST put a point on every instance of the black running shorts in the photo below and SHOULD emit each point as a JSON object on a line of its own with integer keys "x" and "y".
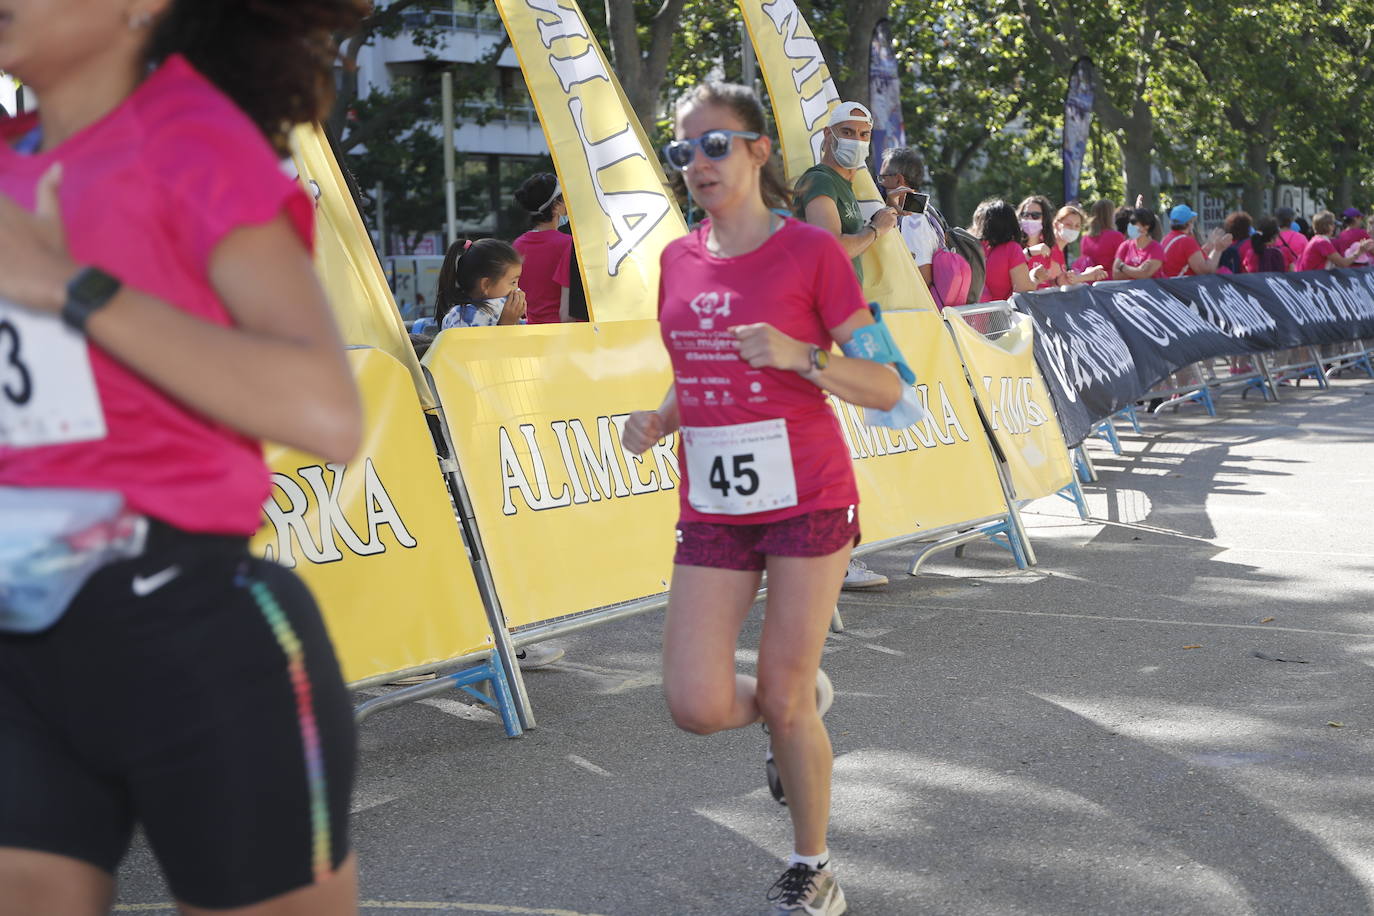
{"x": 193, "y": 691}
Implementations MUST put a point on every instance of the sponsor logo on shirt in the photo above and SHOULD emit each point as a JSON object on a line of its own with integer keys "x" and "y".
{"x": 709, "y": 307}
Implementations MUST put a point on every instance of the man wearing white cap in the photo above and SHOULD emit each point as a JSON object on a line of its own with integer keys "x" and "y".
{"x": 825, "y": 198}
{"x": 825, "y": 193}
{"x": 1183, "y": 256}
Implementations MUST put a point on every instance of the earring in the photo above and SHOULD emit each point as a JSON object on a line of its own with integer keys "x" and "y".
{"x": 140, "y": 20}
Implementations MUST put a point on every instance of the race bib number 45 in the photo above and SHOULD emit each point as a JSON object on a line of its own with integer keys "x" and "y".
{"x": 740, "y": 469}
{"x": 47, "y": 389}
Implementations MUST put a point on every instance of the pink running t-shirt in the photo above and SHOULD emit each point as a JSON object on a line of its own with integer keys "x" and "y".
{"x": 800, "y": 282}
{"x": 542, "y": 250}
{"x": 1054, "y": 256}
{"x": 147, "y": 194}
{"x": 999, "y": 261}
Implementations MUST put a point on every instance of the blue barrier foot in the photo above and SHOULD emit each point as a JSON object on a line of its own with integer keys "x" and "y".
{"x": 494, "y": 674}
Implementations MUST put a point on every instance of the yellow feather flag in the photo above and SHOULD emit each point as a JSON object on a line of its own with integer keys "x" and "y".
{"x": 622, "y": 214}
{"x": 347, "y": 264}
{"x": 802, "y": 93}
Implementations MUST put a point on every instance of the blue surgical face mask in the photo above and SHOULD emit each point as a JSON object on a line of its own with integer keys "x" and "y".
{"x": 563, "y": 220}
{"x": 1132, "y": 231}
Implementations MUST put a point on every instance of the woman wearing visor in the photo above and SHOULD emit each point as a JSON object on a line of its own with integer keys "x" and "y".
{"x": 543, "y": 247}
{"x": 750, "y": 304}
{"x": 159, "y": 317}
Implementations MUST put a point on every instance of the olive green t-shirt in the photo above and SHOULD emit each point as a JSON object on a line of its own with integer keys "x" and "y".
{"x": 823, "y": 181}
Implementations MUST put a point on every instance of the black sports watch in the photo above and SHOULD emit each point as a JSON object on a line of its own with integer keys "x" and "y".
{"x": 819, "y": 359}
{"x": 88, "y": 292}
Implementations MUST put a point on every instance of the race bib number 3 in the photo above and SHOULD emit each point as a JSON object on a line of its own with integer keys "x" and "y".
{"x": 740, "y": 469}
{"x": 47, "y": 388}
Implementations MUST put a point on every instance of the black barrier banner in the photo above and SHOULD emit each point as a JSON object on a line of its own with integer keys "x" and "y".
{"x": 1086, "y": 363}
{"x": 1101, "y": 348}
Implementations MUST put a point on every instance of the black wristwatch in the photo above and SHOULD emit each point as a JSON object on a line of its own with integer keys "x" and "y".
{"x": 88, "y": 292}
{"x": 819, "y": 359}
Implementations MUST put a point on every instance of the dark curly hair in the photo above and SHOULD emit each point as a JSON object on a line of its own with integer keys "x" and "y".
{"x": 996, "y": 223}
{"x": 273, "y": 58}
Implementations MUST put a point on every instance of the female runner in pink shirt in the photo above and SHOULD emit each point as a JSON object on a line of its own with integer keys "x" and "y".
{"x": 750, "y": 304}
{"x": 160, "y": 316}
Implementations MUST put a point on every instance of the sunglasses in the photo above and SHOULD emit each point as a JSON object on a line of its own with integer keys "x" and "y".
{"x": 716, "y": 144}
{"x": 1032, "y": 216}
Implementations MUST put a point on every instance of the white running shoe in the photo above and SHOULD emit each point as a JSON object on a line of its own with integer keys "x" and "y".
{"x": 805, "y": 890}
{"x": 825, "y": 697}
{"x": 537, "y": 656}
{"x": 858, "y": 576}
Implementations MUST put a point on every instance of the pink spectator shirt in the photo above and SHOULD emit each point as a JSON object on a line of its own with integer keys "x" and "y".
{"x": 1101, "y": 249}
{"x": 799, "y": 281}
{"x": 1179, "y": 246}
{"x": 542, "y": 250}
{"x": 997, "y": 279}
{"x": 148, "y": 192}
{"x": 1291, "y": 244}
{"x": 1318, "y": 251}
{"x": 1133, "y": 255}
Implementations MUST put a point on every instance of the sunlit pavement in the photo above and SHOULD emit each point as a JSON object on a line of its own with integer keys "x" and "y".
{"x": 1172, "y": 714}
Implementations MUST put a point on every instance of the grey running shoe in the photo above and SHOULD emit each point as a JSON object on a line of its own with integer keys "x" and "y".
{"x": 825, "y": 696}
{"x": 858, "y": 575}
{"x": 537, "y": 656}
{"x": 803, "y": 889}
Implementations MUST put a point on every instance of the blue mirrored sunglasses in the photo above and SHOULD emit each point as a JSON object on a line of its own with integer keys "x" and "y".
{"x": 715, "y": 144}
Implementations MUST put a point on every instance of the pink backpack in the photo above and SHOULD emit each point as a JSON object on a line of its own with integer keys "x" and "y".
{"x": 951, "y": 275}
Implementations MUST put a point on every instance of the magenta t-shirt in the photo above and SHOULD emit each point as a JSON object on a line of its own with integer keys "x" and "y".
{"x": 1178, "y": 247}
{"x": 1291, "y": 244}
{"x": 1349, "y": 237}
{"x": 1318, "y": 251}
{"x": 801, "y": 282}
{"x": 542, "y": 251}
{"x": 997, "y": 275}
{"x": 147, "y": 194}
{"x": 1101, "y": 249}
{"x": 1132, "y": 255}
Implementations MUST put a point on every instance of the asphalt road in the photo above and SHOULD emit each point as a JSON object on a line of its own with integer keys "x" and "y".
{"x": 1171, "y": 714}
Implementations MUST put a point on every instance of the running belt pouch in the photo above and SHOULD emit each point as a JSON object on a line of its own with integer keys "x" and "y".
{"x": 51, "y": 542}
{"x": 875, "y": 342}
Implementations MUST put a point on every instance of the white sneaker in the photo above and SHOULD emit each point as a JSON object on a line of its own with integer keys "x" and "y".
{"x": 858, "y": 575}
{"x": 537, "y": 656}
{"x": 806, "y": 890}
{"x": 825, "y": 697}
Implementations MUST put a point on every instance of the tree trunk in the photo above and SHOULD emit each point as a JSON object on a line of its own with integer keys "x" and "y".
{"x": 947, "y": 193}
{"x": 852, "y": 74}
{"x": 642, "y": 71}
{"x": 1252, "y": 198}
{"x": 1137, "y": 157}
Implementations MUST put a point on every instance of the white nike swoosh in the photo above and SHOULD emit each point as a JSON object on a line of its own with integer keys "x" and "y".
{"x": 146, "y": 585}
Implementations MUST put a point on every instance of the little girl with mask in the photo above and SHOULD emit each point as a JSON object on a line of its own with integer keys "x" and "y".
{"x": 478, "y": 285}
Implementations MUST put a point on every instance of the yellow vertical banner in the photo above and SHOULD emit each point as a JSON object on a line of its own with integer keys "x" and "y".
{"x": 622, "y": 215}
{"x": 346, "y": 262}
{"x": 802, "y": 93}
{"x": 376, "y": 539}
{"x": 934, "y": 474}
{"x": 1016, "y": 404}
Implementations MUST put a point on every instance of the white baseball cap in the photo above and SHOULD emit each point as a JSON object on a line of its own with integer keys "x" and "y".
{"x": 850, "y": 111}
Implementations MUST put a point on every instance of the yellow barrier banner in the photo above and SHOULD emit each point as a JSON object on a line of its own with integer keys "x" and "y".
{"x": 802, "y": 93}
{"x": 1017, "y": 406}
{"x": 569, "y": 519}
{"x": 933, "y": 474}
{"x": 621, "y": 212}
{"x": 346, "y": 262}
{"x": 376, "y": 539}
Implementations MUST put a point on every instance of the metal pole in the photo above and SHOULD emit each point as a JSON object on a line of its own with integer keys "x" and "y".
{"x": 749, "y": 67}
{"x": 381, "y": 220}
{"x": 450, "y": 190}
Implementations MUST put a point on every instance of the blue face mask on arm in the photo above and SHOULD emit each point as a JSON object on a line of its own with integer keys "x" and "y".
{"x": 875, "y": 342}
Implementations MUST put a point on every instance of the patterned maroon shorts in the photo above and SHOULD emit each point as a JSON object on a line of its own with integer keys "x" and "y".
{"x": 815, "y": 534}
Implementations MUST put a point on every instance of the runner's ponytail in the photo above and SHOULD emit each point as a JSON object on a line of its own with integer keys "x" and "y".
{"x": 274, "y": 58}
